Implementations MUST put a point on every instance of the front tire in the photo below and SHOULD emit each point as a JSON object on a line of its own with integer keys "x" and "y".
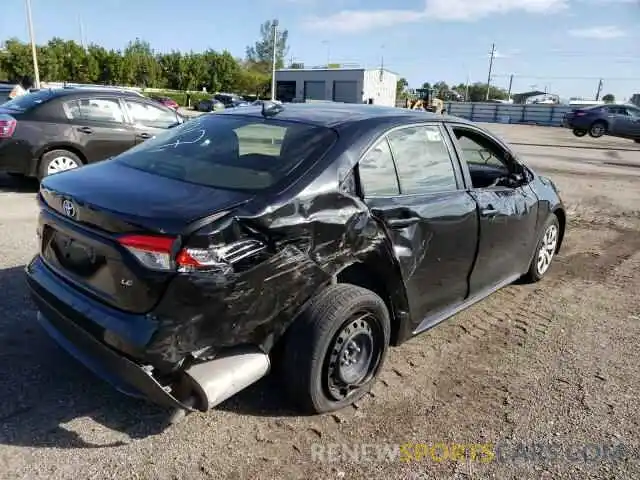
{"x": 335, "y": 349}
{"x": 57, "y": 161}
{"x": 545, "y": 250}
{"x": 579, "y": 132}
{"x": 598, "y": 129}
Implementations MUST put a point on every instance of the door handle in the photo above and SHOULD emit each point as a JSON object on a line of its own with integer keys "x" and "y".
{"x": 145, "y": 136}
{"x": 85, "y": 130}
{"x": 398, "y": 223}
{"x": 489, "y": 211}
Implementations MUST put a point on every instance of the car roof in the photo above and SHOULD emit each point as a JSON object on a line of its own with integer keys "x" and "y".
{"x": 336, "y": 115}
{"x": 71, "y": 91}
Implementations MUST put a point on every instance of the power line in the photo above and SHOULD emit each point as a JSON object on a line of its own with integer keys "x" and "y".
{"x": 550, "y": 77}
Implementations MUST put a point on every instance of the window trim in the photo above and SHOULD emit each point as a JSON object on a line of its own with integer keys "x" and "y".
{"x": 114, "y": 99}
{"x": 454, "y": 165}
{"x": 359, "y": 186}
{"x": 449, "y": 126}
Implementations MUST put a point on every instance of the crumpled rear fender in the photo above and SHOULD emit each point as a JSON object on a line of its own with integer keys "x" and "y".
{"x": 309, "y": 242}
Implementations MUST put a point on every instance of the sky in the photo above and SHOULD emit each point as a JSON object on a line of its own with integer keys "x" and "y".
{"x": 563, "y": 46}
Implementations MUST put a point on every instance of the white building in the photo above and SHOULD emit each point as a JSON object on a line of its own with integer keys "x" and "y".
{"x": 347, "y": 85}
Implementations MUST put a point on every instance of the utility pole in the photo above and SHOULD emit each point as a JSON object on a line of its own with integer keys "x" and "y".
{"x": 273, "y": 66}
{"x": 34, "y": 53}
{"x": 328, "y": 45}
{"x": 510, "y": 86}
{"x": 466, "y": 90}
{"x": 599, "y": 91}
{"x": 492, "y": 56}
{"x": 82, "y": 41}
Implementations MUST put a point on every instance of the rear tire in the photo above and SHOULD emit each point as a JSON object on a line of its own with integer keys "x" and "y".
{"x": 57, "y": 161}
{"x": 579, "y": 132}
{"x": 637, "y": 140}
{"x": 598, "y": 129}
{"x": 545, "y": 250}
{"x": 335, "y": 349}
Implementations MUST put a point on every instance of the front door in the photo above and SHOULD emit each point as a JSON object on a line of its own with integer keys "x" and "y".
{"x": 508, "y": 210}
{"x": 411, "y": 185}
{"x": 628, "y": 122}
{"x": 99, "y": 126}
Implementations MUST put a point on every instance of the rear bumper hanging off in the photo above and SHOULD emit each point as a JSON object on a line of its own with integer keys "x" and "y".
{"x": 210, "y": 382}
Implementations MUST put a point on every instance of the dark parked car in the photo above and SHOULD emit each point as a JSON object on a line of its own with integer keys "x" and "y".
{"x": 310, "y": 237}
{"x": 615, "y": 120}
{"x": 209, "y": 105}
{"x": 52, "y": 130}
{"x": 231, "y": 100}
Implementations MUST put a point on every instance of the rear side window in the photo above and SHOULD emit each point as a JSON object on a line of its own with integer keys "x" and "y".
{"x": 423, "y": 160}
{"x": 94, "y": 109}
{"x": 233, "y": 152}
{"x": 377, "y": 172}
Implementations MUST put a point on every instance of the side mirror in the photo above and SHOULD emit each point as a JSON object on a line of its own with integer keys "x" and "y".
{"x": 517, "y": 178}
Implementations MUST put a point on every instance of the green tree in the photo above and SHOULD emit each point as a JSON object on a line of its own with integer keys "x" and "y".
{"x": 16, "y": 60}
{"x": 609, "y": 98}
{"x": 260, "y": 55}
{"x": 401, "y": 87}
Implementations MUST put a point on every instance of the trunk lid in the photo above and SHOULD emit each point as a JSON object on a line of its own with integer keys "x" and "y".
{"x": 85, "y": 211}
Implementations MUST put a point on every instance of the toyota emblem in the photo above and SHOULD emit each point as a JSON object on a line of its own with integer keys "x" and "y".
{"x": 69, "y": 209}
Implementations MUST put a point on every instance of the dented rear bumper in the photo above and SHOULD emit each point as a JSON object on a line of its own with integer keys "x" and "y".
{"x": 89, "y": 332}
{"x": 123, "y": 373}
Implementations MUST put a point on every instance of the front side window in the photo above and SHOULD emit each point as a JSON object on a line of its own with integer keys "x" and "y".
{"x": 377, "y": 172}
{"x": 423, "y": 160}
{"x": 486, "y": 160}
{"x": 478, "y": 150}
{"x": 232, "y": 152}
{"x": 150, "y": 116}
{"x": 94, "y": 109}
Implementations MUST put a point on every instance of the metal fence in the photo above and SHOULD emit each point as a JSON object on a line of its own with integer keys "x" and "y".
{"x": 534, "y": 114}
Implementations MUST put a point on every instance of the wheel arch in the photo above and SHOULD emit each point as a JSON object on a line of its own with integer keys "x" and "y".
{"x": 561, "y": 215}
{"x": 62, "y": 146}
{"x": 387, "y": 285}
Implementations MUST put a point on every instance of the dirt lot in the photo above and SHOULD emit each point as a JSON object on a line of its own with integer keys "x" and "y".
{"x": 553, "y": 362}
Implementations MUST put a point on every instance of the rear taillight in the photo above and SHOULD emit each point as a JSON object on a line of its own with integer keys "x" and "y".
{"x": 7, "y": 126}
{"x": 218, "y": 258}
{"x": 151, "y": 251}
{"x": 580, "y": 114}
{"x": 155, "y": 253}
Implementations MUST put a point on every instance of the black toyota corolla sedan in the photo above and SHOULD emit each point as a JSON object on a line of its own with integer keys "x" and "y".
{"x": 311, "y": 237}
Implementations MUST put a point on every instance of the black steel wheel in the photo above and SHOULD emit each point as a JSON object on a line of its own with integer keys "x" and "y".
{"x": 354, "y": 356}
{"x": 335, "y": 349}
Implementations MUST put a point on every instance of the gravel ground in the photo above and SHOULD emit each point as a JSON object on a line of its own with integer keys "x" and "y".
{"x": 548, "y": 364}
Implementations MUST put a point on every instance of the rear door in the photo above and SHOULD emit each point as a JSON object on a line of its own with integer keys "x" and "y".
{"x": 413, "y": 187}
{"x": 508, "y": 211}
{"x": 99, "y": 126}
{"x": 149, "y": 119}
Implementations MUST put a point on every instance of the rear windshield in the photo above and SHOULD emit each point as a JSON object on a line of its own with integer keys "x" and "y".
{"x": 28, "y": 100}
{"x": 230, "y": 151}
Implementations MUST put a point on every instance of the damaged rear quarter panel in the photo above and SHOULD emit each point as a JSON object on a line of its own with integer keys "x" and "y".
{"x": 313, "y": 235}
